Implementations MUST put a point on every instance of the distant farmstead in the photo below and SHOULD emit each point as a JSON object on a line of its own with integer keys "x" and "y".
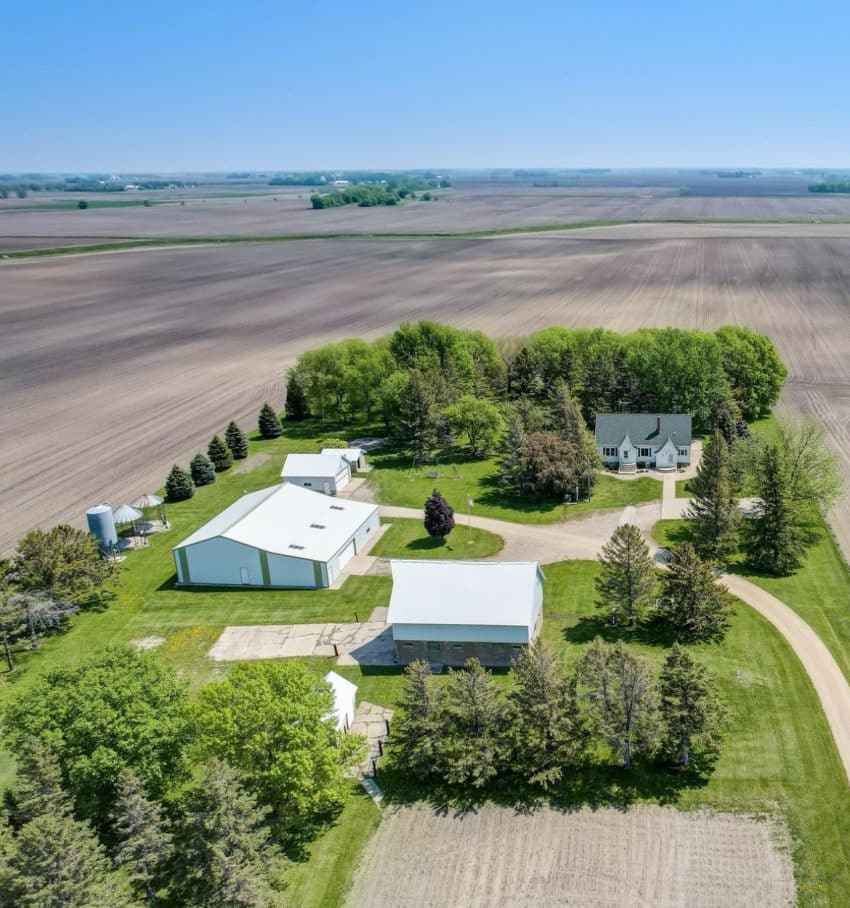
{"x": 447, "y": 611}
{"x": 632, "y": 441}
{"x": 283, "y": 536}
{"x": 326, "y": 473}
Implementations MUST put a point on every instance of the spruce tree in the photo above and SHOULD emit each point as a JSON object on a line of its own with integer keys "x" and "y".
{"x": 236, "y": 440}
{"x": 569, "y": 423}
{"x": 693, "y": 602}
{"x": 627, "y": 576}
{"x": 57, "y": 861}
{"x": 439, "y": 515}
{"x": 472, "y": 747}
{"x": 179, "y": 485}
{"x": 38, "y": 786}
{"x": 775, "y": 539}
{"x": 202, "y": 470}
{"x": 296, "y": 407}
{"x": 224, "y": 856}
{"x": 713, "y": 510}
{"x": 219, "y": 454}
{"x": 269, "y": 422}
{"x": 546, "y": 730}
{"x": 622, "y": 693}
{"x": 417, "y": 722}
{"x": 144, "y": 844}
{"x": 691, "y": 711}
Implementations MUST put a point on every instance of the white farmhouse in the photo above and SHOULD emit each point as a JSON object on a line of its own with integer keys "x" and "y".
{"x": 326, "y": 473}
{"x": 283, "y": 536}
{"x": 630, "y": 441}
{"x": 447, "y": 611}
{"x": 344, "y": 692}
{"x": 354, "y": 457}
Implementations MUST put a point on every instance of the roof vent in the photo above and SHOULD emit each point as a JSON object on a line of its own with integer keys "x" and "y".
{"x": 317, "y": 526}
{"x": 292, "y": 545}
{"x": 337, "y": 507}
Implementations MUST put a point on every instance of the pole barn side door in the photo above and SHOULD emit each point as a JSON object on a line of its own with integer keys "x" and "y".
{"x": 245, "y": 575}
{"x": 346, "y": 555}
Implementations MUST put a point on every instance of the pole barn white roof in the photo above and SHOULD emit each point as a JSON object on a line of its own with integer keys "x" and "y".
{"x": 282, "y": 516}
{"x": 464, "y": 592}
{"x": 320, "y": 465}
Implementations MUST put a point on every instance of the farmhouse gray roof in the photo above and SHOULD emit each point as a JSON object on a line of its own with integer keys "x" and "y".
{"x": 643, "y": 429}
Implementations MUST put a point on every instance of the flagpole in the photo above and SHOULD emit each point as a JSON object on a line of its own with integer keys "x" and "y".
{"x": 469, "y": 503}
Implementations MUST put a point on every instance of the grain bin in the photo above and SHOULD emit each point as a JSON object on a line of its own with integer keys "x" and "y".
{"x": 102, "y": 526}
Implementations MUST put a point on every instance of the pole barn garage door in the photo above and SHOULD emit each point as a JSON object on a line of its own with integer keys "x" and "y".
{"x": 346, "y": 555}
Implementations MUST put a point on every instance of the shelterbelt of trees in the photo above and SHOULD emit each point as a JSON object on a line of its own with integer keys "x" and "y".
{"x": 367, "y": 195}
{"x": 433, "y": 384}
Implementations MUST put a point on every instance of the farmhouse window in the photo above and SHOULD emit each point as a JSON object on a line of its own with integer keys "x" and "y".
{"x": 609, "y": 452}
{"x": 644, "y": 452}
{"x": 308, "y": 485}
{"x": 683, "y": 452}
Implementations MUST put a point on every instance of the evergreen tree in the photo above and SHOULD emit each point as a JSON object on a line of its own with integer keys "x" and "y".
{"x": 219, "y": 454}
{"x": 144, "y": 845}
{"x": 417, "y": 722}
{"x": 627, "y": 577}
{"x": 547, "y": 732}
{"x": 775, "y": 539}
{"x": 569, "y": 423}
{"x": 471, "y": 749}
{"x": 202, "y": 470}
{"x": 693, "y": 601}
{"x": 713, "y": 509}
{"x": 691, "y": 711}
{"x": 269, "y": 422}
{"x": 224, "y": 856}
{"x": 179, "y": 485}
{"x": 236, "y": 440}
{"x": 623, "y": 699}
{"x": 38, "y": 786}
{"x": 295, "y": 407}
{"x": 57, "y": 861}
{"x": 417, "y": 415}
{"x": 439, "y": 515}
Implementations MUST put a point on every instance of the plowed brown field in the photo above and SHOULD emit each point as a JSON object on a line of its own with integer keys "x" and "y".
{"x": 114, "y": 365}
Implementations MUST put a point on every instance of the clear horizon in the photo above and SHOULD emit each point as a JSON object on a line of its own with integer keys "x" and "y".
{"x": 172, "y": 90}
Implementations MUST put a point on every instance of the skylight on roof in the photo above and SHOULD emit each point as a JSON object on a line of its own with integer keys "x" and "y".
{"x": 317, "y": 526}
{"x": 292, "y": 545}
{"x": 337, "y": 507}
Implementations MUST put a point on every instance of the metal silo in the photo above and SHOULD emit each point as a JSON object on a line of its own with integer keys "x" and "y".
{"x": 102, "y": 526}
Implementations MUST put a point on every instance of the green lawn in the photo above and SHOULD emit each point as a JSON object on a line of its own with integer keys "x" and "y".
{"x": 408, "y": 539}
{"x": 459, "y": 478}
{"x": 779, "y": 756}
{"x": 683, "y": 488}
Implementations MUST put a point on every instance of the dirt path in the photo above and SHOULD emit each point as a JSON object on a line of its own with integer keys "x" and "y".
{"x": 646, "y": 856}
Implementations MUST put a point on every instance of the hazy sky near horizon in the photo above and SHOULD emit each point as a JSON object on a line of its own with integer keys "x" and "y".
{"x": 294, "y": 85}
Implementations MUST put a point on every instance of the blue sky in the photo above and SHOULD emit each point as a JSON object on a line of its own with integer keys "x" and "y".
{"x": 296, "y": 85}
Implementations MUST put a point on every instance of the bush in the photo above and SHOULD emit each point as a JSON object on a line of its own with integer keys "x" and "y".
{"x": 82, "y": 204}
{"x": 179, "y": 485}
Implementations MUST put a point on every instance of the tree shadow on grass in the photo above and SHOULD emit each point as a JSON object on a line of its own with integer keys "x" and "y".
{"x": 589, "y": 627}
{"x": 496, "y": 495}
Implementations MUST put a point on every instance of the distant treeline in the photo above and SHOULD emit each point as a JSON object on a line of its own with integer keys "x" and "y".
{"x": 10, "y": 185}
{"x": 355, "y": 177}
{"x": 830, "y": 187}
{"x": 367, "y": 195}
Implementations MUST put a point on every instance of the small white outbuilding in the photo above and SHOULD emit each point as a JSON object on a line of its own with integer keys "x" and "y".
{"x": 325, "y": 473}
{"x": 283, "y": 536}
{"x": 447, "y": 611}
{"x": 354, "y": 457}
{"x": 345, "y": 693}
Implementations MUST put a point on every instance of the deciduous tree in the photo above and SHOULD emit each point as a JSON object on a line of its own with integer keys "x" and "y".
{"x": 627, "y": 578}
{"x": 439, "y": 515}
{"x": 478, "y": 419}
{"x": 691, "y": 711}
{"x": 63, "y": 562}
{"x": 273, "y": 720}
{"x": 693, "y": 601}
